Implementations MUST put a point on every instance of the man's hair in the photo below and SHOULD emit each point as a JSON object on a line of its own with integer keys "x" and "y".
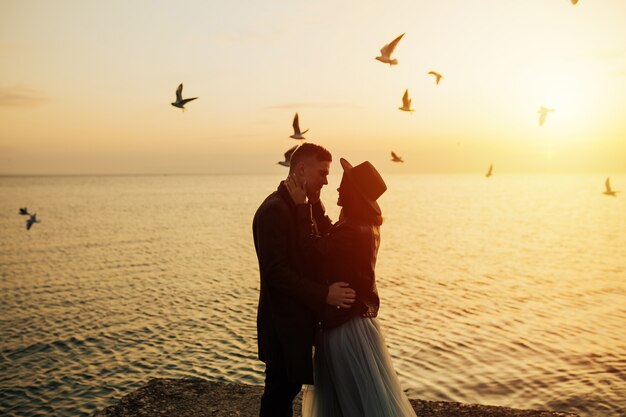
{"x": 308, "y": 150}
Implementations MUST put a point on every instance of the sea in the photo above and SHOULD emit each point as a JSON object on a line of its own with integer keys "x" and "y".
{"x": 507, "y": 291}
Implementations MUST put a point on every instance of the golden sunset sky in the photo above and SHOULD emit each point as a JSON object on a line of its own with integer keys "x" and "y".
{"x": 86, "y": 86}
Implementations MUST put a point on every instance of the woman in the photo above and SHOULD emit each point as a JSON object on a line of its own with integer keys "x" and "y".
{"x": 354, "y": 376}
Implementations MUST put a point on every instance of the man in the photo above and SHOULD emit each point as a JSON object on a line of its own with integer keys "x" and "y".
{"x": 290, "y": 299}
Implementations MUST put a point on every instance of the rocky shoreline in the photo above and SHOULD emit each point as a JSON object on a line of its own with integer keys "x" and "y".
{"x": 191, "y": 397}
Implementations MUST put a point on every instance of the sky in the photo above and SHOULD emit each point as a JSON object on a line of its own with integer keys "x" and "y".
{"x": 86, "y": 87}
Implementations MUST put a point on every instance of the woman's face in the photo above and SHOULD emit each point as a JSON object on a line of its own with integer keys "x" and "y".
{"x": 343, "y": 191}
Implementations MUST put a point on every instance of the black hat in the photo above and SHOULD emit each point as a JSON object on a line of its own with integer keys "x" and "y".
{"x": 366, "y": 180}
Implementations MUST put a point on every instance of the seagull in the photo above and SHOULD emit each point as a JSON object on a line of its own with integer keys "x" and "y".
{"x": 31, "y": 220}
{"x": 285, "y": 163}
{"x": 436, "y": 74}
{"x": 180, "y": 101}
{"x": 24, "y": 212}
{"x": 490, "y": 172}
{"x": 543, "y": 112}
{"x": 385, "y": 53}
{"x": 608, "y": 191}
{"x": 296, "y": 129}
{"x": 406, "y": 102}
{"x": 395, "y": 158}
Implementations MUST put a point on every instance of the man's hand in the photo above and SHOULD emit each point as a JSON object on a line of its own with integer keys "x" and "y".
{"x": 296, "y": 190}
{"x": 341, "y": 295}
{"x": 314, "y": 197}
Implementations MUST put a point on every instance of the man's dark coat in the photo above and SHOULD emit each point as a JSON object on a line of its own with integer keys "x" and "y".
{"x": 290, "y": 299}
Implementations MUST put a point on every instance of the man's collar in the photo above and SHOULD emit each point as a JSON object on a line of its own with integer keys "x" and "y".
{"x": 284, "y": 194}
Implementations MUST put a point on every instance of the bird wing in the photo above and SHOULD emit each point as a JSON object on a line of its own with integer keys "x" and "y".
{"x": 542, "y": 117}
{"x": 179, "y": 92}
{"x": 393, "y": 155}
{"x": 394, "y": 43}
{"x": 29, "y": 223}
{"x": 405, "y": 99}
{"x": 296, "y": 124}
{"x": 289, "y": 153}
{"x": 607, "y": 185}
{"x": 187, "y": 100}
{"x": 437, "y": 76}
{"x": 389, "y": 48}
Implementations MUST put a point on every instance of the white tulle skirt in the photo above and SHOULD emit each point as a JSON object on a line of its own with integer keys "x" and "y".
{"x": 354, "y": 376}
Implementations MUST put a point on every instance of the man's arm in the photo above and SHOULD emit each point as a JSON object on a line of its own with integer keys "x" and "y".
{"x": 339, "y": 293}
{"x": 338, "y": 244}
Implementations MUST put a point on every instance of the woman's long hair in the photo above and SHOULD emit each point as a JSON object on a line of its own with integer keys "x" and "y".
{"x": 355, "y": 206}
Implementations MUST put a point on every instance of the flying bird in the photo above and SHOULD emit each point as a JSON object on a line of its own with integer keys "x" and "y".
{"x": 385, "y": 53}
{"x": 180, "y": 101}
{"x": 24, "y": 212}
{"x": 609, "y": 191}
{"x": 288, "y": 154}
{"x": 395, "y": 158}
{"x": 296, "y": 129}
{"x": 437, "y": 75}
{"x": 31, "y": 220}
{"x": 490, "y": 172}
{"x": 543, "y": 113}
{"x": 406, "y": 102}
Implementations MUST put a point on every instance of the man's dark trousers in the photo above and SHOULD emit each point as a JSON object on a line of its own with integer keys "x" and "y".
{"x": 279, "y": 392}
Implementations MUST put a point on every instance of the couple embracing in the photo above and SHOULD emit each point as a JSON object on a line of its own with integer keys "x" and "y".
{"x": 318, "y": 288}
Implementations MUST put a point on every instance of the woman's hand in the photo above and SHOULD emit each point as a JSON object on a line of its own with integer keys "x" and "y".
{"x": 296, "y": 191}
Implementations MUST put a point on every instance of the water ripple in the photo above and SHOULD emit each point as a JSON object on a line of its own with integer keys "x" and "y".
{"x": 508, "y": 292}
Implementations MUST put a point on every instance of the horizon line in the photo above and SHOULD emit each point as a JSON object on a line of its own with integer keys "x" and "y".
{"x": 181, "y": 174}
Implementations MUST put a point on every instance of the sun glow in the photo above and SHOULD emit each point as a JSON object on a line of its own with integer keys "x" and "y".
{"x": 500, "y": 63}
{"x": 570, "y": 90}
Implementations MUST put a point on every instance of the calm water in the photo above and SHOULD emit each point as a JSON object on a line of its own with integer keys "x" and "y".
{"x": 506, "y": 291}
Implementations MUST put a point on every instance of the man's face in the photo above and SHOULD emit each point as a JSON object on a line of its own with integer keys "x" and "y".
{"x": 316, "y": 175}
